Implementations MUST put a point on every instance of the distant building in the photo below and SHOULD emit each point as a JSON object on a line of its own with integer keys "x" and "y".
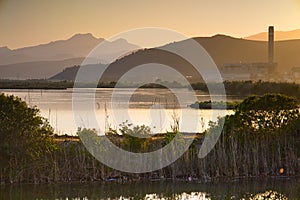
{"x": 294, "y": 75}
{"x": 253, "y": 71}
{"x": 248, "y": 71}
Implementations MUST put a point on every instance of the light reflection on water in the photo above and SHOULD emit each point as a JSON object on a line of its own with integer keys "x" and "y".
{"x": 247, "y": 190}
{"x": 183, "y": 196}
{"x": 270, "y": 195}
{"x": 153, "y": 107}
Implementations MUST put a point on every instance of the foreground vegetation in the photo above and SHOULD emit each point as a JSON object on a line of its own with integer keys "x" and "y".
{"x": 260, "y": 139}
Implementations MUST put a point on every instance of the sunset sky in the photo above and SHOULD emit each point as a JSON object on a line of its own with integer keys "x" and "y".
{"x": 31, "y": 22}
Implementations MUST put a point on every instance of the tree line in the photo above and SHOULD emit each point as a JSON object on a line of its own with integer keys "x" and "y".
{"x": 246, "y": 88}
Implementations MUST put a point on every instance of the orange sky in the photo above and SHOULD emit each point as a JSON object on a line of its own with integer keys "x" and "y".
{"x": 31, "y": 22}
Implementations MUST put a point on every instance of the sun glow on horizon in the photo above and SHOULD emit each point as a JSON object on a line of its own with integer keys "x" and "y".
{"x": 31, "y": 22}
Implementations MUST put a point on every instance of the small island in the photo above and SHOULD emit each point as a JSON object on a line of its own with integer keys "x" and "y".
{"x": 214, "y": 105}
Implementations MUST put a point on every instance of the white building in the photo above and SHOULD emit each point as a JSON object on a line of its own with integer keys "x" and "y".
{"x": 248, "y": 71}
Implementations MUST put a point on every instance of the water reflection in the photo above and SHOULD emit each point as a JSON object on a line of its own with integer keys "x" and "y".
{"x": 185, "y": 196}
{"x": 271, "y": 195}
{"x": 147, "y": 106}
{"x": 254, "y": 190}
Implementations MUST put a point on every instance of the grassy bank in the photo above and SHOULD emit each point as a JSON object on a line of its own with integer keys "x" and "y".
{"x": 240, "y": 156}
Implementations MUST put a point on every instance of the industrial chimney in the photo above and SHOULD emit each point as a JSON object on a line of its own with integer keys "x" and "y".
{"x": 271, "y": 44}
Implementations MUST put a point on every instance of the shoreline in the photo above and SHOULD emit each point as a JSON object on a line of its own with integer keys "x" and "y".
{"x": 216, "y": 180}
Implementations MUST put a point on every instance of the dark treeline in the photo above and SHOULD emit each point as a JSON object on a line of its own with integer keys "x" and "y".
{"x": 35, "y": 84}
{"x": 238, "y": 88}
{"x": 246, "y": 88}
{"x": 50, "y": 84}
{"x": 260, "y": 139}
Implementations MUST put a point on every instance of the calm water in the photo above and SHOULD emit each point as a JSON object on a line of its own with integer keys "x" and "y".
{"x": 287, "y": 189}
{"x": 153, "y": 107}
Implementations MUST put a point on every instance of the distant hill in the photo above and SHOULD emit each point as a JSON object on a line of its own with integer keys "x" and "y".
{"x": 79, "y": 45}
{"x": 68, "y": 73}
{"x": 279, "y": 35}
{"x": 46, "y": 60}
{"x": 223, "y": 49}
{"x": 36, "y": 70}
{"x": 52, "y": 58}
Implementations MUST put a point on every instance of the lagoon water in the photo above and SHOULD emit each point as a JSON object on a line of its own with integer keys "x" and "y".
{"x": 153, "y": 107}
{"x": 236, "y": 189}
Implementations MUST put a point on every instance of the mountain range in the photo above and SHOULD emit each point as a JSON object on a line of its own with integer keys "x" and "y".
{"x": 223, "y": 50}
{"x": 46, "y": 60}
{"x": 279, "y": 35}
{"x": 56, "y": 59}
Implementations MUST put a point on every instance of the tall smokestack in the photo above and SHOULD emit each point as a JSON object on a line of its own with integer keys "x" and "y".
{"x": 271, "y": 44}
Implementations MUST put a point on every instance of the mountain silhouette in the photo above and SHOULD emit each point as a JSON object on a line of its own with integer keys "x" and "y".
{"x": 46, "y": 60}
{"x": 79, "y": 45}
{"x": 223, "y": 50}
{"x": 36, "y": 70}
{"x": 52, "y": 58}
{"x": 279, "y": 35}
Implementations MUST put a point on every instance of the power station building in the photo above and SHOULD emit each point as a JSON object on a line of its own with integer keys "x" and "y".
{"x": 293, "y": 76}
{"x": 252, "y": 71}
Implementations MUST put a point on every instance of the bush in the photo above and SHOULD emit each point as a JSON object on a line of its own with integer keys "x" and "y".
{"x": 24, "y": 134}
